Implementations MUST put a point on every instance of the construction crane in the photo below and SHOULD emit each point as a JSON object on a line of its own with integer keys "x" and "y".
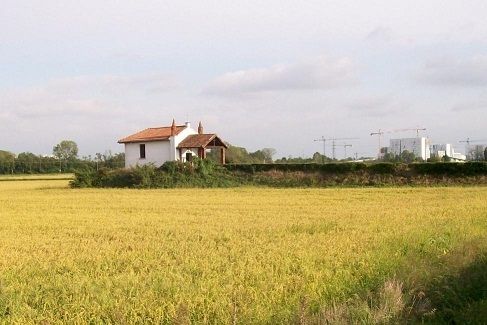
{"x": 379, "y": 134}
{"x": 410, "y": 129}
{"x": 322, "y": 139}
{"x": 333, "y": 144}
{"x": 345, "y": 146}
{"x": 468, "y": 141}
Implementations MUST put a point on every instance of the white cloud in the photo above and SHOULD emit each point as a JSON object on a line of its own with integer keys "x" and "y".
{"x": 81, "y": 96}
{"x": 376, "y": 106}
{"x": 319, "y": 73}
{"x": 472, "y": 105}
{"x": 466, "y": 72}
{"x": 115, "y": 83}
{"x": 381, "y": 34}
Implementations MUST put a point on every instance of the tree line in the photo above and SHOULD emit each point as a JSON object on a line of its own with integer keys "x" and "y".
{"x": 64, "y": 159}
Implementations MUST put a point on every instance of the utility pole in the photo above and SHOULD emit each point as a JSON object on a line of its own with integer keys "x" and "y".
{"x": 345, "y": 146}
{"x": 322, "y": 139}
{"x": 333, "y": 144}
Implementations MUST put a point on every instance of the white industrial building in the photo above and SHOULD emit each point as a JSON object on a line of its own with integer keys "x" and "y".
{"x": 442, "y": 150}
{"x": 421, "y": 148}
{"x": 418, "y": 146}
{"x": 170, "y": 143}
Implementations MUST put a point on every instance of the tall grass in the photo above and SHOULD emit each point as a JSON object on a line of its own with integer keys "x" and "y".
{"x": 242, "y": 255}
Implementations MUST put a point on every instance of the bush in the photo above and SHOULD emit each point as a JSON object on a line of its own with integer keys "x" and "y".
{"x": 383, "y": 168}
{"x": 84, "y": 178}
{"x": 453, "y": 169}
{"x": 205, "y": 173}
{"x": 304, "y": 167}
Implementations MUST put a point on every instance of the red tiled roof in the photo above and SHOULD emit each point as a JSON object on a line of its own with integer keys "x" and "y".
{"x": 201, "y": 141}
{"x": 152, "y": 134}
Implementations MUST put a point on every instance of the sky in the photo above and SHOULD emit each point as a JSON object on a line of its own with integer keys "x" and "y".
{"x": 275, "y": 73}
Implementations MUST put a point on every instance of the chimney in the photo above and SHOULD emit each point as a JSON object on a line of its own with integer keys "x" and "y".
{"x": 187, "y": 124}
{"x": 200, "y": 128}
{"x": 173, "y": 128}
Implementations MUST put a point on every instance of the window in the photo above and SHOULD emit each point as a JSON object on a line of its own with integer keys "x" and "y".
{"x": 189, "y": 156}
{"x": 142, "y": 151}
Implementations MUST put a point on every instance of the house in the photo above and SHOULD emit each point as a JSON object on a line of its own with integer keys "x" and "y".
{"x": 170, "y": 143}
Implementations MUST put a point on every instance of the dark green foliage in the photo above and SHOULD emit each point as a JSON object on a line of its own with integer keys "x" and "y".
{"x": 7, "y": 162}
{"x": 29, "y": 163}
{"x": 461, "y": 298}
{"x": 206, "y": 173}
{"x": 239, "y": 155}
{"x": 66, "y": 151}
{"x": 85, "y": 177}
{"x": 383, "y": 168}
{"x": 316, "y": 158}
{"x": 469, "y": 168}
{"x": 450, "y": 169}
{"x": 329, "y": 168}
{"x": 200, "y": 173}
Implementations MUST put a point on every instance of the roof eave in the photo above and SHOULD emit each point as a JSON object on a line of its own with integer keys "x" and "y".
{"x": 143, "y": 140}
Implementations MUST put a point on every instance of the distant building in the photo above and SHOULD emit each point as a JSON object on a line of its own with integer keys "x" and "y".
{"x": 418, "y": 146}
{"x": 475, "y": 152}
{"x": 169, "y": 143}
{"x": 442, "y": 150}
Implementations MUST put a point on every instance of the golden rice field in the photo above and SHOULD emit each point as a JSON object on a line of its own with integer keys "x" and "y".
{"x": 244, "y": 255}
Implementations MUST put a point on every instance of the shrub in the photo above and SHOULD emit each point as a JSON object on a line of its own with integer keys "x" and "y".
{"x": 205, "y": 173}
{"x": 84, "y": 177}
{"x": 383, "y": 168}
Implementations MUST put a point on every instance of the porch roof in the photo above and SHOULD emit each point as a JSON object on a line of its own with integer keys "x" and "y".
{"x": 202, "y": 141}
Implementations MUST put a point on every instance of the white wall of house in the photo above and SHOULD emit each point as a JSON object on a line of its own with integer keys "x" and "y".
{"x": 194, "y": 152}
{"x": 157, "y": 152}
{"x": 178, "y": 138}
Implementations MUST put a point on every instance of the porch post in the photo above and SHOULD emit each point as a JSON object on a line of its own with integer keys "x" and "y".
{"x": 223, "y": 155}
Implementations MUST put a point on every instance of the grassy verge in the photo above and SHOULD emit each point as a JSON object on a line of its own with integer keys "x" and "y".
{"x": 36, "y": 177}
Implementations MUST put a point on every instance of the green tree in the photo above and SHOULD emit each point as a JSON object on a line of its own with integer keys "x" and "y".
{"x": 26, "y": 162}
{"x": 7, "y": 162}
{"x": 389, "y": 157}
{"x": 66, "y": 151}
{"x": 268, "y": 154}
{"x": 407, "y": 157}
{"x": 446, "y": 158}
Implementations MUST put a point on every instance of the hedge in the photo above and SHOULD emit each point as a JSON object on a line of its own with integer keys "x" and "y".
{"x": 442, "y": 168}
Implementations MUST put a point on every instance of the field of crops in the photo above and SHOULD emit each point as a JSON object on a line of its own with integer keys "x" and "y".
{"x": 246, "y": 255}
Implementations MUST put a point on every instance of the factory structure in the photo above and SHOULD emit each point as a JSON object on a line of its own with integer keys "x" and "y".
{"x": 421, "y": 148}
